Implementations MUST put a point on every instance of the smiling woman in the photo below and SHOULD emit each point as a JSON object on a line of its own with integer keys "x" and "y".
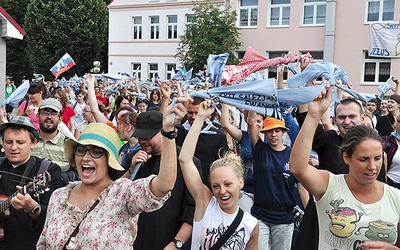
{"x": 217, "y": 209}
{"x": 348, "y": 203}
{"x": 101, "y": 208}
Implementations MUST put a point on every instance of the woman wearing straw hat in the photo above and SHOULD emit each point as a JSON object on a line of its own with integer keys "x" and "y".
{"x": 100, "y": 212}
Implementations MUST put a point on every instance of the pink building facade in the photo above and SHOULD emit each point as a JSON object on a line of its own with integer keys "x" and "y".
{"x": 146, "y": 33}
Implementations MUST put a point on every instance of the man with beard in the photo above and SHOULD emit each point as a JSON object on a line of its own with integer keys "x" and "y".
{"x": 51, "y": 141}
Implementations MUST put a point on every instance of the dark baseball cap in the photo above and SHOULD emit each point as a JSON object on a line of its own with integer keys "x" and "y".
{"x": 148, "y": 124}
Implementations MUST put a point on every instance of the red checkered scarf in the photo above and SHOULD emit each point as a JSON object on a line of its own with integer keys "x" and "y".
{"x": 254, "y": 61}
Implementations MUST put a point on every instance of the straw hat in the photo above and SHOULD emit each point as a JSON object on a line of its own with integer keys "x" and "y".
{"x": 271, "y": 123}
{"x": 100, "y": 135}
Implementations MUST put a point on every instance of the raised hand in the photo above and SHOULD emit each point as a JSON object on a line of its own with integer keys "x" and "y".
{"x": 321, "y": 103}
{"x": 174, "y": 113}
{"x": 205, "y": 109}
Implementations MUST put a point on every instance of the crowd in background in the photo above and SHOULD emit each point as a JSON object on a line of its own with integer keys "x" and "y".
{"x": 278, "y": 182}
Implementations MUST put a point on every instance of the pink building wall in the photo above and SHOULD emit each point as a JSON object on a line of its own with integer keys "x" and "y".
{"x": 351, "y": 37}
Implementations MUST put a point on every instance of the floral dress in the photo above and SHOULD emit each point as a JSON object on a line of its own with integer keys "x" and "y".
{"x": 112, "y": 224}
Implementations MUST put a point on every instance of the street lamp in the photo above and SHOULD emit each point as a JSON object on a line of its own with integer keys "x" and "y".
{"x": 96, "y": 67}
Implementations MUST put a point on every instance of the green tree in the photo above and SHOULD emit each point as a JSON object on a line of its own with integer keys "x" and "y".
{"x": 212, "y": 31}
{"x": 79, "y": 27}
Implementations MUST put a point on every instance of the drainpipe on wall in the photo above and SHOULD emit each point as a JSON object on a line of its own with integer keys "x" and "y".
{"x": 330, "y": 20}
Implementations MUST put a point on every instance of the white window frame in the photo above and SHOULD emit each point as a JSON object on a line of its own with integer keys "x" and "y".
{"x": 169, "y": 72}
{"x": 134, "y": 67}
{"x": 154, "y": 28}
{"x": 151, "y": 71}
{"x": 251, "y": 9}
{"x": 315, "y": 6}
{"x": 172, "y": 27}
{"x": 378, "y": 62}
{"x": 137, "y": 28}
{"x": 280, "y": 7}
{"x": 381, "y": 9}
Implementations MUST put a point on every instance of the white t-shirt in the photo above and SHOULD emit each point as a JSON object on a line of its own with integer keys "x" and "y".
{"x": 215, "y": 222}
{"x": 78, "y": 108}
{"x": 394, "y": 171}
{"x": 345, "y": 222}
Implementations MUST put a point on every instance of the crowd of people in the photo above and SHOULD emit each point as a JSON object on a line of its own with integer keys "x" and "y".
{"x": 146, "y": 166}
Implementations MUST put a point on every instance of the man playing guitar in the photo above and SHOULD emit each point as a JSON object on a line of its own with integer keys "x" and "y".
{"x": 18, "y": 170}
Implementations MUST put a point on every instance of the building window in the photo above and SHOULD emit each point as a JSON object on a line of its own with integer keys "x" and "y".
{"x": 272, "y": 72}
{"x": 152, "y": 69}
{"x": 172, "y": 27}
{"x": 318, "y": 56}
{"x": 137, "y": 27}
{"x": 248, "y": 13}
{"x": 380, "y": 10}
{"x": 169, "y": 70}
{"x": 154, "y": 27}
{"x": 137, "y": 66}
{"x": 376, "y": 70}
{"x": 189, "y": 18}
{"x": 280, "y": 13}
{"x": 314, "y": 12}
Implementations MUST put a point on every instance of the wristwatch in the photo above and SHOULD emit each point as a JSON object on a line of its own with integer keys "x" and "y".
{"x": 34, "y": 210}
{"x": 178, "y": 243}
{"x": 170, "y": 135}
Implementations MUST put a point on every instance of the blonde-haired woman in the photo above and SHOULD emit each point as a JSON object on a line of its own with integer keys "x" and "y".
{"x": 215, "y": 211}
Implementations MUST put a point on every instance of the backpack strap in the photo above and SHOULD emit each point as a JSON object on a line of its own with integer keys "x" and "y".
{"x": 26, "y": 105}
{"x": 228, "y": 233}
{"x": 76, "y": 102}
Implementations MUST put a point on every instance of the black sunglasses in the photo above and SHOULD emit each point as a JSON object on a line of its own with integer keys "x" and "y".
{"x": 95, "y": 152}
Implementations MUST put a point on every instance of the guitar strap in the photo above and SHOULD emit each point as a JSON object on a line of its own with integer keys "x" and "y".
{"x": 44, "y": 165}
{"x": 29, "y": 166}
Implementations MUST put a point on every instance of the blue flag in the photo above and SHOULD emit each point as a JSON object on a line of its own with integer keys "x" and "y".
{"x": 215, "y": 67}
{"x": 330, "y": 72}
{"x": 17, "y": 95}
{"x": 384, "y": 88}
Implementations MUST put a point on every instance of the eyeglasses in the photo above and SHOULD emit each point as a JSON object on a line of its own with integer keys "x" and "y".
{"x": 85, "y": 111}
{"x": 46, "y": 113}
{"x": 94, "y": 152}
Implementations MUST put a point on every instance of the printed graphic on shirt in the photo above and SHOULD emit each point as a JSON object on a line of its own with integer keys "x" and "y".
{"x": 235, "y": 242}
{"x": 344, "y": 222}
{"x": 286, "y": 170}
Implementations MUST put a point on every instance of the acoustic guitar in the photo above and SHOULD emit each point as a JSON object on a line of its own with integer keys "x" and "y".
{"x": 37, "y": 186}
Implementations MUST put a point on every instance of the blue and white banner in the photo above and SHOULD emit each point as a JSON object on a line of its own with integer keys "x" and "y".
{"x": 384, "y": 40}
{"x": 331, "y": 72}
{"x": 261, "y": 96}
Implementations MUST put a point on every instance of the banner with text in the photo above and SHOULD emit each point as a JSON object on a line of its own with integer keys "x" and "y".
{"x": 384, "y": 40}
